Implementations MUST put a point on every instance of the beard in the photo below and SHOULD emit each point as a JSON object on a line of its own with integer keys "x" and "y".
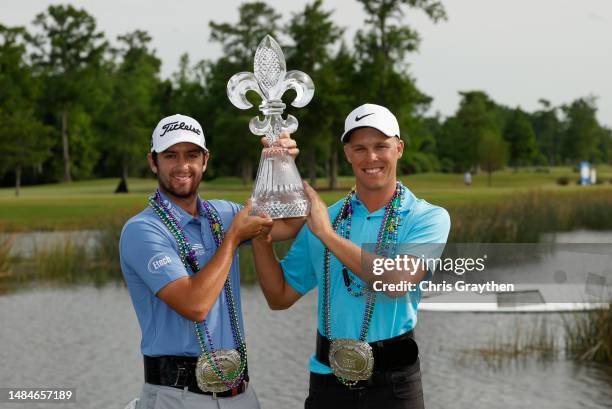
{"x": 193, "y": 191}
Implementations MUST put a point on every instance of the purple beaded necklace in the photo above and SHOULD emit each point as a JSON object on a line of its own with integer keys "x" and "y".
{"x": 189, "y": 259}
{"x": 385, "y": 245}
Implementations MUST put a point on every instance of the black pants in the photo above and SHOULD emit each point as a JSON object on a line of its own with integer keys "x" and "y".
{"x": 399, "y": 389}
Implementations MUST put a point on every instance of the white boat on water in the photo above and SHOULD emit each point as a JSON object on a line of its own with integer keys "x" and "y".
{"x": 524, "y": 299}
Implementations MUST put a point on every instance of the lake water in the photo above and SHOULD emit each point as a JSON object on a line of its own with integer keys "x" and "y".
{"x": 88, "y": 339}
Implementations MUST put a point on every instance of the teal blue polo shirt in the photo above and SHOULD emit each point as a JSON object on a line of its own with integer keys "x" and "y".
{"x": 421, "y": 222}
{"x": 150, "y": 261}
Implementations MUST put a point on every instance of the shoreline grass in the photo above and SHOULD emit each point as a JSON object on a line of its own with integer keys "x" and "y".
{"x": 588, "y": 335}
{"x": 527, "y": 216}
{"x": 584, "y": 336}
{"x": 538, "y": 340}
{"x": 6, "y": 244}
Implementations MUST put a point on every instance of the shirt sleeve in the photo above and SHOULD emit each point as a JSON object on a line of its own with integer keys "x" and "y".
{"x": 145, "y": 250}
{"x": 297, "y": 265}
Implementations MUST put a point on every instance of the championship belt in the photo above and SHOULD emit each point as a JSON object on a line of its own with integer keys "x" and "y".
{"x": 228, "y": 360}
{"x": 351, "y": 359}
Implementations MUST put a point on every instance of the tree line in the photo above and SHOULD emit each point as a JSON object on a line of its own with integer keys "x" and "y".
{"x": 75, "y": 105}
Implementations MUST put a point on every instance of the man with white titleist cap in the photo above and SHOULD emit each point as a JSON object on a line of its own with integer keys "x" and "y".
{"x": 180, "y": 263}
{"x": 366, "y": 355}
{"x": 174, "y": 129}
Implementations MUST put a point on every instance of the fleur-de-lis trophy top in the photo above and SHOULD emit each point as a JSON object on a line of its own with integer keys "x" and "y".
{"x": 270, "y": 80}
{"x": 278, "y": 190}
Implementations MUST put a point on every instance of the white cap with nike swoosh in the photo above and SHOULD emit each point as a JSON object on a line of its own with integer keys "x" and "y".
{"x": 373, "y": 116}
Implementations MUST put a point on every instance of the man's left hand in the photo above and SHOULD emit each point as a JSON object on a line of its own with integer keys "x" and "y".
{"x": 284, "y": 141}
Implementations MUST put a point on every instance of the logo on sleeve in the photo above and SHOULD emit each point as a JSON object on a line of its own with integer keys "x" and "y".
{"x": 158, "y": 261}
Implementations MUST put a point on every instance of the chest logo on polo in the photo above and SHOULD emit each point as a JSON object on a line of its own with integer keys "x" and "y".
{"x": 158, "y": 261}
{"x": 174, "y": 211}
{"x": 198, "y": 248}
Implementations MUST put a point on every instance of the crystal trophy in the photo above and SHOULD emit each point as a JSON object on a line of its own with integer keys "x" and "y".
{"x": 278, "y": 190}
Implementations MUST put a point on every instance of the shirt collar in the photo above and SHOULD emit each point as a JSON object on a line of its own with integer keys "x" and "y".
{"x": 408, "y": 201}
{"x": 181, "y": 215}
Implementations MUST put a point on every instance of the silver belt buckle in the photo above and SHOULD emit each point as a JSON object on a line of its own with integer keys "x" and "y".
{"x": 207, "y": 379}
{"x": 351, "y": 359}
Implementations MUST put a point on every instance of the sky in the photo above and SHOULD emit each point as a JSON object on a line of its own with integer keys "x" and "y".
{"x": 517, "y": 51}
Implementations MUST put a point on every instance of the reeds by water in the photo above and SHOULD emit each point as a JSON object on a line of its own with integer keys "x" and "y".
{"x": 6, "y": 244}
{"x": 588, "y": 335}
{"x": 69, "y": 260}
{"x": 537, "y": 340}
{"x": 525, "y": 217}
{"x": 65, "y": 261}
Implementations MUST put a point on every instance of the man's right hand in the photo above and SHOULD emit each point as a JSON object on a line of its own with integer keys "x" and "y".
{"x": 245, "y": 227}
{"x": 318, "y": 218}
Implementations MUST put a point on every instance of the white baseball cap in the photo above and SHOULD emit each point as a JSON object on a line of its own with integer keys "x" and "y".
{"x": 176, "y": 129}
{"x": 373, "y": 116}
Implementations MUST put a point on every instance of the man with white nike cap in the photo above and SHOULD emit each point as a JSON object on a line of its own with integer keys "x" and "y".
{"x": 179, "y": 260}
{"x": 366, "y": 355}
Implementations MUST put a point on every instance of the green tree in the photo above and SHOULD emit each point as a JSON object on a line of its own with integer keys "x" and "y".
{"x": 188, "y": 88}
{"x": 382, "y": 47}
{"x": 314, "y": 34}
{"x": 521, "y": 139}
{"x": 420, "y": 146}
{"x": 70, "y": 51}
{"x": 129, "y": 118}
{"x": 24, "y": 140}
{"x": 547, "y": 127}
{"x": 582, "y": 132}
{"x": 226, "y": 124}
{"x": 240, "y": 40}
{"x": 605, "y": 145}
{"x": 492, "y": 152}
{"x": 460, "y": 135}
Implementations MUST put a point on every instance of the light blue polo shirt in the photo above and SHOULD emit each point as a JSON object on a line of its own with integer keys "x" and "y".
{"x": 420, "y": 222}
{"x": 150, "y": 260}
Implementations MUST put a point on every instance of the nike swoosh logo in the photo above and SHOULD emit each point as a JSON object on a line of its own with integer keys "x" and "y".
{"x": 359, "y": 118}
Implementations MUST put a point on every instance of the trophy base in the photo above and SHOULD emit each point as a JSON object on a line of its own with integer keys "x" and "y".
{"x": 279, "y": 210}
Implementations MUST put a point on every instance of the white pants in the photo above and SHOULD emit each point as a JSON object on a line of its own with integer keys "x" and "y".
{"x": 166, "y": 397}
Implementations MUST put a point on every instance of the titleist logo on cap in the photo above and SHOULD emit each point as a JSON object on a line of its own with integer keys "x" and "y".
{"x": 174, "y": 126}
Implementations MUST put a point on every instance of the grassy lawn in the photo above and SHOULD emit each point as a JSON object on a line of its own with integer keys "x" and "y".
{"x": 86, "y": 204}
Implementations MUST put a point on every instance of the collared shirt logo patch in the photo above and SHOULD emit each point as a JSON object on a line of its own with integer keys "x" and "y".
{"x": 157, "y": 262}
{"x": 174, "y": 211}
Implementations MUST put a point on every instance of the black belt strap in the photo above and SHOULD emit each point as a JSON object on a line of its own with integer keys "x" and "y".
{"x": 388, "y": 354}
{"x": 179, "y": 372}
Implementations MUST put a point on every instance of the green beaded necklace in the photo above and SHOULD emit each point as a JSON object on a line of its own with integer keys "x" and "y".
{"x": 187, "y": 255}
{"x": 385, "y": 245}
